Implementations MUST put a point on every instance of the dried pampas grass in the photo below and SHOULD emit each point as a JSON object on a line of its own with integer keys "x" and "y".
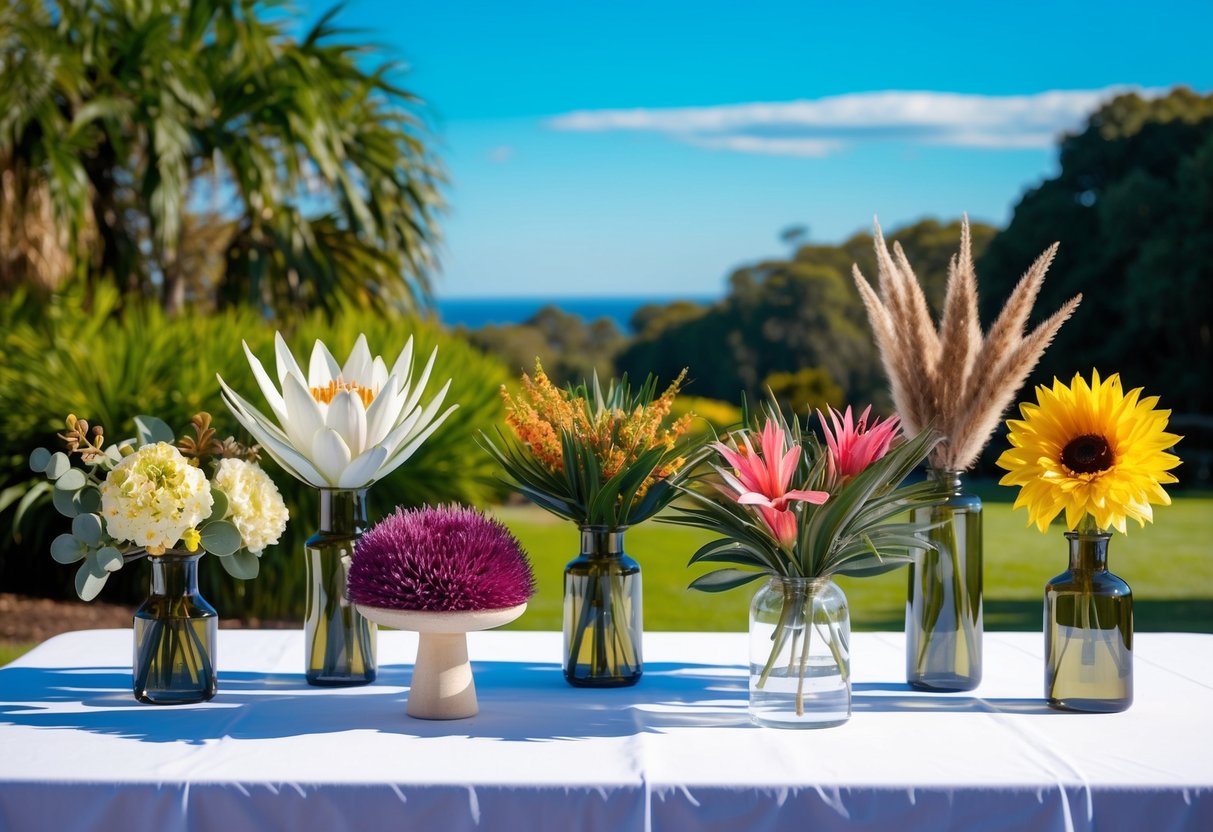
{"x": 954, "y": 378}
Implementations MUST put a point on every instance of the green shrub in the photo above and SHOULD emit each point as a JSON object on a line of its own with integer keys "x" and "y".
{"x": 87, "y": 356}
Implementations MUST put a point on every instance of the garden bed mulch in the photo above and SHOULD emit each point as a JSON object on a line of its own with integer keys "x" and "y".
{"x": 26, "y": 620}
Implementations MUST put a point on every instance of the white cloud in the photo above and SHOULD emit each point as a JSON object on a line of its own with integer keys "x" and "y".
{"x": 822, "y": 126}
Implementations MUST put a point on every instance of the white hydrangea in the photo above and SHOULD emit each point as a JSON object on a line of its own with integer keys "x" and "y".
{"x": 153, "y": 496}
{"x": 254, "y": 505}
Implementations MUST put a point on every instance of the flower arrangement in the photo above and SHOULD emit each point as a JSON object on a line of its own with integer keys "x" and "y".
{"x": 599, "y": 458}
{"x": 150, "y": 495}
{"x": 440, "y": 559}
{"x": 788, "y": 508}
{"x": 791, "y": 507}
{"x": 1091, "y": 451}
{"x": 1100, "y": 456}
{"x": 341, "y": 425}
{"x": 955, "y": 379}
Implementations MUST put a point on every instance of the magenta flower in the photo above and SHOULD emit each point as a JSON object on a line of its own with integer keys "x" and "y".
{"x": 762, "y": 479}
{"x": 853, "y": 447}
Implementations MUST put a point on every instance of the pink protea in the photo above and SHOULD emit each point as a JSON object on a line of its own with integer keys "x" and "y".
{"x": 762, "y": 480}
{"x": 449, "y": 558}
{"x": 854, "y": 446}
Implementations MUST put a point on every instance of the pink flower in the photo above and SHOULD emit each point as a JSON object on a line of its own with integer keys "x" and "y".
{"x": 853, "y": 447}
{"x": 762, "y": 480}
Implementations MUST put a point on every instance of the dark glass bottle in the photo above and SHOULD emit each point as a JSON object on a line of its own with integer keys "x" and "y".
{"x": 603, "y": 613}
{"x": 175, "y": 633}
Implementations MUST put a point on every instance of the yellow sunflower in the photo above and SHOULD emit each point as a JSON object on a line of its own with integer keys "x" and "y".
{"x": 1090, "y": 450}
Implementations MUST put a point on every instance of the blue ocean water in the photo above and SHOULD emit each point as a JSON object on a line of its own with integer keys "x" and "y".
{"x": 474, "y": 313}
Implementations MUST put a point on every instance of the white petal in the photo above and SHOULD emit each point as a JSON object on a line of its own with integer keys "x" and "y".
{"x": 331, "y": 455}
{"x": 415, "y": 396}
{"x": 364, "y": 470}
{"x": 304, "y": 416}
{"x": 358, "y": 366}
{"x": 347, "y": 416}
{"x": 408, "y": 450}
{"x": 268, "y": 389}
{"x": 323, "y": 368}
{"x": 285, "y": 362}
{"x": 402, "y": 370}
{"x": 402, "y": 432}
{"x": 273, "y": 440}
{"x": 383, "y": 413}
{"x": 379, "y": 374}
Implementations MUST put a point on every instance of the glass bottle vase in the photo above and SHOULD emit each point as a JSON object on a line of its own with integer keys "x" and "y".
{"x": 1088, "y": 632}
{"x": 944, "y": 602}
{"x": 800, "y": 658}
{"x": 340, "y": 642}
{"x": 175, "y": 632}
{"x": 603, "y": 613}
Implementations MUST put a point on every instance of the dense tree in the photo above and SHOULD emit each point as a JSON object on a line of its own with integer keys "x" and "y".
{"x": 570, "y": 348}
{"x": 783, "y": 316}
{"x": 120, "y": 120}
{"x": 1133, "y": 210}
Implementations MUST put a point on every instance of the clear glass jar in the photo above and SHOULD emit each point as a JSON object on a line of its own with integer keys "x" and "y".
{"x": 175, "y": 633}
{"x": 340, "y": 642}
{"x": 944, "y": 603}
{"x": 800, "y": 656}
{"x": 603, "y": 613}
{"x": 1088, "y": 632}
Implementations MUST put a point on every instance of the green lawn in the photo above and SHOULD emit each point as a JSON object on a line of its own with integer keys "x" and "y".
{"x": 1169, "y": 565}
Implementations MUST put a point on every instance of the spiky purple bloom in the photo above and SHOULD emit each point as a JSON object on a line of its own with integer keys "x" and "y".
{"x": 444, "y": 559}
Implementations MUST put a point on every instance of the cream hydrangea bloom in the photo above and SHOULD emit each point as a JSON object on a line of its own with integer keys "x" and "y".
{"x": 153, "y": 496}
{"x": 255, "y": 506}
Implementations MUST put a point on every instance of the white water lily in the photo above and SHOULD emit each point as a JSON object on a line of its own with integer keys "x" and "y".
{"x": 341, "y": 426}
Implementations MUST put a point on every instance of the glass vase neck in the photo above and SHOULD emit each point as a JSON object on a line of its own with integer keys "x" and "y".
{"x": 798, "y": 585}
{"x": 342, "y": 509}
{"x": 602, "y": 541}
{"x": 950, "y": 481}
{"x": 174, "y": 573}
{"x": 1088, "y": 551}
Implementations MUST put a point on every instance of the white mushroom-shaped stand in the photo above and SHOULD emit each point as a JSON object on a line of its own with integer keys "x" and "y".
{"x": 442, "y": 686}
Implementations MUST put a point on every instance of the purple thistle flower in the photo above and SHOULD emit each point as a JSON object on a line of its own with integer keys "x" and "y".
{"x": 444, "y": 559}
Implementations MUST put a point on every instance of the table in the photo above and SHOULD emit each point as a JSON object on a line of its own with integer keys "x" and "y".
{"x": 676, "y": 752}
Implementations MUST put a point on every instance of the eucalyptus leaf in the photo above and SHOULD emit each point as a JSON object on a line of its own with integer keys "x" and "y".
{"x": 89, "y": 528}
{"x": 57, "y": 466}
{"x": 151, "y": 429}
{"x": 219, "y": 505}
{"x": 72, "y": 480}
{"x": 66, "y": 548}
{"x": 108, "y": 558}
{"x": 243, "y": 565}
{"x": 220, "y": 538}
{"x": 39, "y": 459}
{"x": 89, "y": 580}
{"x": 66, "y": 503}
{"x": 89, "y": 499}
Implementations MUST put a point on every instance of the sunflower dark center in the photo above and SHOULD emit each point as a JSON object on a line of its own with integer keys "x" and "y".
{"x": 1088, "y": 454}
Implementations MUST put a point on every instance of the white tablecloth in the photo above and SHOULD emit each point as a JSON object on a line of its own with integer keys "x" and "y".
{"x": 676, "y": 752}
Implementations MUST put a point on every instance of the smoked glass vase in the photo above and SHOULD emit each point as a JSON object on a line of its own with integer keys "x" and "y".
{"x": 175, "y": 633}
{"x": 800, "y": 656}
{"x": 603, "y": 613}
{"x": 340, "y": 642}
{"x": 944, "y": 603}
{"x": 1088, "y": 632}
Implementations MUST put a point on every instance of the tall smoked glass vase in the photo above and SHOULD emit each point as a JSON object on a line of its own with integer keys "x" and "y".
{"x": 340, "y": 643}
{"x": 175, "y": 633}
{"x": 603, "y": 613}
{"x": 943, "y": 607}
{"x": 1088, "y": 632}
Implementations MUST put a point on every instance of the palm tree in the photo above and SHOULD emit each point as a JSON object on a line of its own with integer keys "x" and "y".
{"x": 138, "y": 139}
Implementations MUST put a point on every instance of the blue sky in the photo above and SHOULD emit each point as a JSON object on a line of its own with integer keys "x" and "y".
{"x": 650, "y": 148}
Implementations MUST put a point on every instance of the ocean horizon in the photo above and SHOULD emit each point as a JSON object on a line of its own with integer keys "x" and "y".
{"x": 475, "y": 313}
